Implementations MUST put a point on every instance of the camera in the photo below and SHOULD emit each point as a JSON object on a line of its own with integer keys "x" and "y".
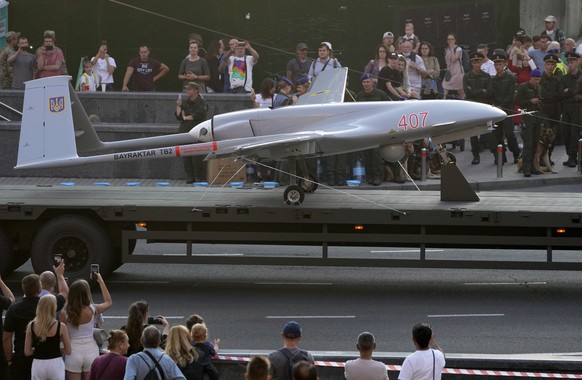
{"x": 154, "y": 321}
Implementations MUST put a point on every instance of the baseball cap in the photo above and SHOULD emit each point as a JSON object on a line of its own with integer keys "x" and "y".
{"x": 550, "y": 18}
{"x": 328, "y": 44}
{"x": 536, "y": 73}
{"x": 192, "y": 86}
{"x": 301, "y": 46}
{"x": 393, "y": 55}
{"x": 292, "y": 330}
{"x": 388, "y": 34}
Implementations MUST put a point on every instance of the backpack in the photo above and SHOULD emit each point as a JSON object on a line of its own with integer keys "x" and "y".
{"x": 153, "y": 371}
{"x": 292, "y": 358}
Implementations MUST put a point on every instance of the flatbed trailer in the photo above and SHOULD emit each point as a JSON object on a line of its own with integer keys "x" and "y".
{"x": 90, "y": 224}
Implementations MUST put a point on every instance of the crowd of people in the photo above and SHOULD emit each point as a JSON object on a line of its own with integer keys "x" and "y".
{"x": 537, "y": 75}
{"x": 55, "y": 332}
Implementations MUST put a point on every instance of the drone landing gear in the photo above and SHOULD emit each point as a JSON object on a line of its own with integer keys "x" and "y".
{"x": 295, "y": 194}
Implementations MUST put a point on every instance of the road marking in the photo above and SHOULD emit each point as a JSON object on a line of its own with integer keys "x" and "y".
{"x": 125, "y": 316}
{"x": 296, "y": 283}
{"x": 137, "y": 282}
{"x": 506, "y": 283}
{"x": 408, "y": 250}
{"x": 463, "y": 315}
{"x": 204, "y": 255}
{"x": 310, "y": 316}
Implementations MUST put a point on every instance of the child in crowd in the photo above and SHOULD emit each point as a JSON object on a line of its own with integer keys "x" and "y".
{"x": 88, "y": 81}
{"x": 206, "y": 349}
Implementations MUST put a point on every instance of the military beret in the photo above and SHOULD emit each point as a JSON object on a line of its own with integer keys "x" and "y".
{"x": 536, "y": 73}
{"x": 287, "y": 81}
{"x": 302, "y": 80}
{"x": 551, "y": 58}
{"x": 476, "y": 56}
{"x": 365, "y": 76}
{"x": 572, "y": 55}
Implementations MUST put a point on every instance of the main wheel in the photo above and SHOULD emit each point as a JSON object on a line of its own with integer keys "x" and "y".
{"x": 81, "y": 242}
{"x": 308, "y": 185}
{"x": 294, "y": 195}
{"x": 5, "y": 253}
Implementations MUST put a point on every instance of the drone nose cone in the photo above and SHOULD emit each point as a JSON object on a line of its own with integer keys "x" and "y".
{"x": 202, "y": 132}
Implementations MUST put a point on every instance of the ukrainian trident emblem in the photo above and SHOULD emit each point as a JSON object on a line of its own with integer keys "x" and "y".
{"x": 57, "y": 104}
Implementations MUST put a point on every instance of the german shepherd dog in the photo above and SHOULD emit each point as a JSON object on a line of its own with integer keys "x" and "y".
{"x": 541, "y": 160}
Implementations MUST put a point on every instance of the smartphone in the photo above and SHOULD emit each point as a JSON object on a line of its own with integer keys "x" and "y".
{"x": 57, "y": 259}
{"x": 180, "y": 96}
{"x": 94, "y": 269}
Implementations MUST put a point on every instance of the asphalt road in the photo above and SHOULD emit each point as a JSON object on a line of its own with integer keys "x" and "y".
{"x": 472, "y": 311}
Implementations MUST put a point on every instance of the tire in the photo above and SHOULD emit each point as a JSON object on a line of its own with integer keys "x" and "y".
{"x": 81, "y": 242}
{"x": 5, "y": 253}
{"x": 294, "y": 195}
{"x": 308, "y": 186}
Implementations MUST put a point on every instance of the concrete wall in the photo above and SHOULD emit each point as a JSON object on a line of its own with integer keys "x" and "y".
{"x": 120, "y": 113}
{"x": 568, "y": 13}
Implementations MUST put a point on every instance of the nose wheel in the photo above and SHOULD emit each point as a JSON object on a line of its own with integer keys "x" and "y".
{"x": 294, "y": 195}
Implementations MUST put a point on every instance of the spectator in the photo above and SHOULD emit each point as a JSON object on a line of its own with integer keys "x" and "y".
{"x": 283, "y": 97}
{"x": 410, "y": 37}
{"x": 216, "y": 81}
{"x": 184, "y": 354}
{"x": 190, "y": 113}
{"x": 18, "y": 316}
{"x": 378, "y": 63}
{"x": 144, "y": 70}
{"x": 560, "y": 69}
{"x": 528, "y": 99}
{"x": 428, "y": 361}
{"x": 48, "y": 280}
{"x": 80, "y": 318}
{"x": 104, "y": 66}
{"x": 324, "y": 60}
{"x": 195, "y": 37}
{"x": 519, "y": 59}
{"x": 477, "y": 87}
{"x": 571, "y": 109}
{"x": 388, "y": 40}
{"x": 194, "y": 68}
{"x": 139, "y": 364}
{"x": 5, "y": 66}
{"x": 137, "y": 319}
{"x": 23, "y": 64}
{"x": 206, "y": 350}
{"x": 553, "y": 33}
{"x": 282, "y": 359}
{"x": 453, "y": 80}
{"x": 365, "y": 368}
{"x": 223, "y": 69}
{"x": 538, "y": 51}
{"x": 487, "y": 65}
{"x": 390, "y": 78}
{"x": 265, "y": 96}
{"x": 111, "y": 366}
{"x": 88, "y": 80}
{"x": 6, "y": 299}
{"x": 414, "y": 68}
{"x": 430, "y": 83}
{"x": 569, "y": 47}
{"x": 502, "y": 89}
{"x": 258, "y": 369}
{"x": 49, "y": 58}
{"x": 240, "y": 67}
{"x": 404, "y": 87}
{"x": 298, "y": 66}
{"x": 192, "y": 320}
{"x": 304, "y": 370}
{"x": 44, "y": 336}
{"x": 301, "y": 88}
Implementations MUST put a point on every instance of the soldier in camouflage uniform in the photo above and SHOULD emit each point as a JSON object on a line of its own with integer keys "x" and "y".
{"x": 5, "y": 67}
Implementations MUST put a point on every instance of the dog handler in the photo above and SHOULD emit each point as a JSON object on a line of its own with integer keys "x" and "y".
{"x": 526, "y": 97}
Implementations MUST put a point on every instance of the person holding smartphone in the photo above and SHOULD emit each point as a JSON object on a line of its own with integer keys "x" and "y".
{"x": 49, "y": 59}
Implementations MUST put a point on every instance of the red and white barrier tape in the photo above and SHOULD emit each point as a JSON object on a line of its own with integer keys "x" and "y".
{"x": 450, "y": 371}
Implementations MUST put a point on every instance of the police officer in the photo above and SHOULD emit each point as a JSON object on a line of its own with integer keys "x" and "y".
{"x": 477, "y": 86}
{"x": 528, "y": 99}
{"x": 550, "y": 94}
{"x": 503, "y": 88}
{"x": 571, "y": 109}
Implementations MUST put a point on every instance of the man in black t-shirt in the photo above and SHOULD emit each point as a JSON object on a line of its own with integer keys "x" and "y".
{"x": 144, "y": 70}
{"x": 389, "y": 77}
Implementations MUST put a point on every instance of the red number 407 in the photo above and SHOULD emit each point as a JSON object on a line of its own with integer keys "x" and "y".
{"x": 414, "y": 120}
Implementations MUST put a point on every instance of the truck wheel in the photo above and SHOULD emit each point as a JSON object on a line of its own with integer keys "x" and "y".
{"x": 6, "y": 253}
{"x": 81, "y": 242}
